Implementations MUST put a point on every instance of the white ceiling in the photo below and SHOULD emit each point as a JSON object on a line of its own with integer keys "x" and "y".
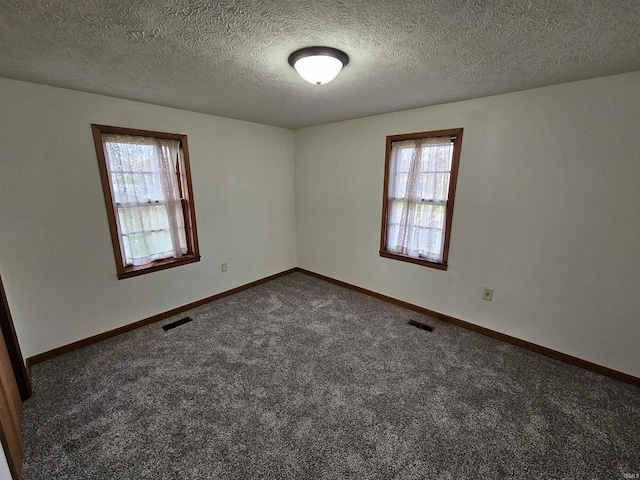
{"x": 229, "y": 57}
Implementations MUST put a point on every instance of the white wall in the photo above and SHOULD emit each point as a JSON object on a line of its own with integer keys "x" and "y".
{"x": 547, "y": 214}
{"x": 56, "y": 258}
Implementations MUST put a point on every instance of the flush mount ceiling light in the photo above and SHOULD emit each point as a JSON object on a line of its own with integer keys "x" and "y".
{"x": 318, "y": 65}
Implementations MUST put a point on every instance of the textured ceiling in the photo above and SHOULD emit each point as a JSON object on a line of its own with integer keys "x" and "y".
{"x": 229, "y": 58}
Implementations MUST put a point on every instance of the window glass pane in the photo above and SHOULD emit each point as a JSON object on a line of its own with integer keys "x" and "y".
{"x": 430, "y": 231}
{"x": 138, "y": 245}
{"x": 433, "y": 186}
{"x": 150, "y": 224}
{"x": 135, "y": 172}
{"x": 431, "y": 243}
{"x": 431, "y": 216}
{"x": 395, "y": 210}
{"x": 404, "y": 159}
{"x": 400, "y": 186}
{"x": 437, "y": 157}
{"x": 392, "y": 235}
{"x": 141, "y": 218}
{"x": 136, "y": 187}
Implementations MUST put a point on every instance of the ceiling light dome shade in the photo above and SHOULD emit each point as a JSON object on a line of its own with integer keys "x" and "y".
{"x": 318, "y": 65}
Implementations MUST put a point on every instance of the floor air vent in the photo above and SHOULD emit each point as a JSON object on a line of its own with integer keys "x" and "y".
{"x": 175, "y": 324}
{"x": 420, "y": 325}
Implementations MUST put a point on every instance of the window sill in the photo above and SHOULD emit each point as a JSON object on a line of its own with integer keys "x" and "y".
{"x": 157, "y": 266}
{"x": 417, "y": 261}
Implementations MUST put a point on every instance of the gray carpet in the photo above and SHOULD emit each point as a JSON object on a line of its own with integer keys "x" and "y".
{"x": 298, "y": 378}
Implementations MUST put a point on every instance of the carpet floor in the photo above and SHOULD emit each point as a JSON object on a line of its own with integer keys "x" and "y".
{"x": 298, "y": 378}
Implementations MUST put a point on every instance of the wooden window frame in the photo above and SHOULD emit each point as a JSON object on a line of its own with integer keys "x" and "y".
{"x": 456, "y": 133}
{"x": 184, "y": 173}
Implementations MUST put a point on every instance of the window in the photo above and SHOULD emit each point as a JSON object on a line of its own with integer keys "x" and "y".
{"x": 147, "y": 191}
{"x": 420, "y": 184}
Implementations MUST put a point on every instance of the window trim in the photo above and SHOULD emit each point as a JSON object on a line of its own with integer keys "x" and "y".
{"x": 453, "y": 180}
{"x": 191, "y": 232}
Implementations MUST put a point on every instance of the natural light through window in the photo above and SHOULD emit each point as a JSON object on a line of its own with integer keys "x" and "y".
{"x": 419, "y": 189}
{"x": 151, "y": 209}
{"x": 146, "y": 195}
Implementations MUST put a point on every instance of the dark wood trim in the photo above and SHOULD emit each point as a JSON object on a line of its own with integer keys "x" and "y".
{"x": 56, "y": 352}
{"x": 417, "y": 261}
{"x": 13, "y": 347}
{"x": 190, "y": 226}
{"x": 106, "y": 191}
{"x": 449, "y": 132}
{"x": 453, "y": 182}
{"x": 184, "y": 173}
{"x": 10, "y": 416}
{"x": 456, "y": 134}
{"x": 385, "y": 198}
{"x": 157, "y": 266}
{"x": 137, "y": 132}
{"x": 563, "y": 357}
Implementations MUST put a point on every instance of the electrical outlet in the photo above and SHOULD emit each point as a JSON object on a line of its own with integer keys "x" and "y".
{"x": 487, "y": 294}
{"x": 224, "y": 267}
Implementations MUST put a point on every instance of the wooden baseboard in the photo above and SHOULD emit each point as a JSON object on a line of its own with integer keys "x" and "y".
{"x": 48, "y": 355}
{"x": 563, "y": 357}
